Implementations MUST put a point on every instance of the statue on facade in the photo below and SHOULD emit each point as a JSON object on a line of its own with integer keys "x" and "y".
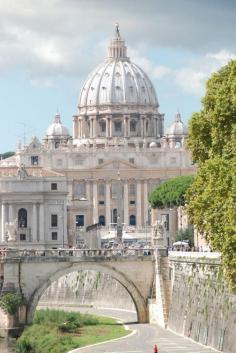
{"x": 21, "y": 172}
{"x": 11, "y": 230}
{"x": 158, "y": 233}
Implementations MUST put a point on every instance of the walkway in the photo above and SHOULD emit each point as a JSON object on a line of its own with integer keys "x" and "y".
{"x": 143, "y": 340}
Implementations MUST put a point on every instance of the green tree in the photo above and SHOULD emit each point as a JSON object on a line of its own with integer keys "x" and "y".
{"x": 11, "y": 302}
{"x": 212, "y": 141}
{"x": 171, "y": 193}
{"x": 6, "y": 155}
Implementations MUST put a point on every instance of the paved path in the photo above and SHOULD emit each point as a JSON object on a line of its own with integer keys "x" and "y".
{"x": 146, "y": 335}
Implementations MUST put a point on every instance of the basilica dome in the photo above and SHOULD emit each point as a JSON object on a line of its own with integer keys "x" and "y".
{"x": 56, "y": 129}
{"x": 118, "y": 84}
{"x": 177, "y": 128}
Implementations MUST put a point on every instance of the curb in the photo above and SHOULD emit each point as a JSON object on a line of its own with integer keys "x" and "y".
{"x": 77, "y": 350}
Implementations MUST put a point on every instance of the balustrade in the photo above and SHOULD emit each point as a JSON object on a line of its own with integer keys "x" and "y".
{"x": 76, "y": 253}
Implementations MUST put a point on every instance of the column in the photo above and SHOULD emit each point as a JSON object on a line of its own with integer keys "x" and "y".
{"x": 64, "y": 225}
{"x": 90, "y": 127}
{"x": 88, "y": 193}
{"x": 108, "y": 203}
{"x": 125, "y": 126}
{"x": 34, "y": 224}
{"x": 41, "y": 224}
{"x": 144, "y": 127}
{"x": 94, "y": 126}
{"x": 138, "y": 205}
{"x": 107, "y": 126}
{"x": 3, "y": 221}
{"x": 75, "y": 126}
{"x": 110, "y": 127}
{"x": 128, "y": 127}
{"x": 126, "y": 203}
{"x": 145, "y": 202}
{"x": 141, "y": 128}
{"x": 156, "y": 132}
{"x": 95, "y": 202}
{"x": 10, "y": 213}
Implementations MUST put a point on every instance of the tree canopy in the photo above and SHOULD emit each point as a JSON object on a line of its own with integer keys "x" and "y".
{"x": 6, "y": 155}
{"x": 212, "y": 142}
{"x": 171, "y": 193}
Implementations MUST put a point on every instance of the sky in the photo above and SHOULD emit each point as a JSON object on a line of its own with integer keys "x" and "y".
{"x": 48, "y": 48}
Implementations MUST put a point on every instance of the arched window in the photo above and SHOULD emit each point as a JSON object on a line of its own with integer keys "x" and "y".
{"x": 102, "y": 220}
{"x": 133, "y": 126}
{"x": 132, "y": 220}
{"x": 101, "y": 190}
{"x": 22, "y": 218}
{"x": 57, "y": 144}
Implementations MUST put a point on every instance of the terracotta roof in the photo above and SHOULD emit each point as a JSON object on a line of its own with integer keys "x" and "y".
{"x": 37, "y": 172}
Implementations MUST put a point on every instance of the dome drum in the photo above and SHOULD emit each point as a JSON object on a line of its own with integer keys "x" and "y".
{"x": 118, "y": 125}
{"x": 118, "y": 99}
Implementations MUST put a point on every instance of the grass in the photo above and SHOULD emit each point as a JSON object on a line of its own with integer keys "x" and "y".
{"x": 57, "y": 331}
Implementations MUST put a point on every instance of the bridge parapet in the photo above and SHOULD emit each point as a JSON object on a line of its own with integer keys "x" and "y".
{"x": 67, "y": 254}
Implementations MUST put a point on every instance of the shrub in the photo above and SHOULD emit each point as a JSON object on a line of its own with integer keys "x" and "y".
{"x": 11, "y": 302}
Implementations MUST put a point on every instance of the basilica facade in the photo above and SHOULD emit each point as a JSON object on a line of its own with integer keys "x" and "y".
{"x": 119, "y": 151}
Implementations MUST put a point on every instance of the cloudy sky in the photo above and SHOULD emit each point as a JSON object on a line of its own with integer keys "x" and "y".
{"x": 48, "y": 47}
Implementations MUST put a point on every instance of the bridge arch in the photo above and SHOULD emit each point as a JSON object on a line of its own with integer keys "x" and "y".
{"x": 139, "y": 301}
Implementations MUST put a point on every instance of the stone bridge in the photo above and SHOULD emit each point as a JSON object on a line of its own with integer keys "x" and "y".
{"x": 30, "y": 272}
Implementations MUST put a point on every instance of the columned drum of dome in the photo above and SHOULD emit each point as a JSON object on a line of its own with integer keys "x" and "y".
{"x": 118, "y": 100}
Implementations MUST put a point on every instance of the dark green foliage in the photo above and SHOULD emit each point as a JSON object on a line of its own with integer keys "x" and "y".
{"x": 171, "y": 193}
{"x": 212, "y": 142}
{"x": 24, "y": 346}
{"x": 57, "y": 331}
{"x": 11, "y": 302}
{"x": 6, "y": 155}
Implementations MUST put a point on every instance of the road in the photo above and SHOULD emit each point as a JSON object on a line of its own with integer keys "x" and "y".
{"x": 143, "y": 339}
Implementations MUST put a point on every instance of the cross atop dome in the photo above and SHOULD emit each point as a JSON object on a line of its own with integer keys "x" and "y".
{"x": 117, "y": 31}
{"x": 178, "y": 117}
{"x": 117, "y": 48}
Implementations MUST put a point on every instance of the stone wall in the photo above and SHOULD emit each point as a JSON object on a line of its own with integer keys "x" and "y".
{"x": 202, "y": 306}
{"x": 88, "y": 288}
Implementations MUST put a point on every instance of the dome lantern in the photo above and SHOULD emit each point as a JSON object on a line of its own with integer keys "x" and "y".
{"x": 117, "y": 48}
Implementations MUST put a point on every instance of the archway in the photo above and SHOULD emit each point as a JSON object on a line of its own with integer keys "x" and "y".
{"x": 139, "y": 301}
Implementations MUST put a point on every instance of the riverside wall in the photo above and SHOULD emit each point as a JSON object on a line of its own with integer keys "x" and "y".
{"x": 88, "y": 288}
{"x": 202, "y": 306}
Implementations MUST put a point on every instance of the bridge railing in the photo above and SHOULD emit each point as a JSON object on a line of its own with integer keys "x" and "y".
{"x": 78, "y": 253}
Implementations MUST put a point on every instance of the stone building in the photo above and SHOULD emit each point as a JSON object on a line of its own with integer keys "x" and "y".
{"x": 119, "y": 151}
{"x": 33, "y": 208}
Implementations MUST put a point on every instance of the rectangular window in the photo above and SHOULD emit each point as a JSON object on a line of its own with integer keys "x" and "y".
{"x": 79, "y": 220}
{"x": 54, "y": 222}
{"x": 101, "y": 202}
{"x": 132, "y": 202}
{"x": 100, "y": 161}
{"x": 80, "y": 189}
{"x": 54, "y": 235}
{"x": 22, "y": 237}
{"x": 34, "y": 160}
{"x": 54, "y": 186}
{"x": 131, "y": 160}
